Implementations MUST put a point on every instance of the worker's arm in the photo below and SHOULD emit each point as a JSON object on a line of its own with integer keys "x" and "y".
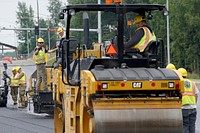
{"x": 37, "y": 51}
{"x": 19, "y": 76}
{"x": 52, "y": 50}
{"x": 196, "y": 91}
{"x": 135, "y": 39}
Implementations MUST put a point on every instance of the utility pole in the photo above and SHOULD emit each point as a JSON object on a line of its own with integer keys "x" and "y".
{"x": 38, "y": 19}
{"x": 99, "y": 25}
{"x": 27, "y": 41}
{"x": 168, "y": 40}
{"x": 49, "y": 40}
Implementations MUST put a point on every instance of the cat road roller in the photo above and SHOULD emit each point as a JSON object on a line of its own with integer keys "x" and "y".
{"x": 95, "y": 92}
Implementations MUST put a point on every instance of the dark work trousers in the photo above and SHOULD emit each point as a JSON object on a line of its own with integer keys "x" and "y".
{"x": 189, "y": 119}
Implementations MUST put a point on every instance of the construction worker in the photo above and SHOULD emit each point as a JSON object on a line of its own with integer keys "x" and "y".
{"x": 61, "y": 32}
{"x": 171, "y": 66}
{"x": 59, "y": 47}
{"x": 14, "y": 85}
{"x": 189, "y": 103}
{"x": 39, "y": 54}
{"x": 21, "y": 76}
{"x": 143, "y": 35}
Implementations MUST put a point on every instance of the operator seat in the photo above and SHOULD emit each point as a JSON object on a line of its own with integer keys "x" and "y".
{"x": 150, "y": 52}
{"x": 151, "y": 49}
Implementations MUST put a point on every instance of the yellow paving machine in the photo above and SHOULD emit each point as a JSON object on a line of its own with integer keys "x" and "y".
{"x": 42, "y": 100}
{"x": 95, "y": 93}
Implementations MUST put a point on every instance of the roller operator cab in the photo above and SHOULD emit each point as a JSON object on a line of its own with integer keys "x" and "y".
{"x": 95, "y": 92}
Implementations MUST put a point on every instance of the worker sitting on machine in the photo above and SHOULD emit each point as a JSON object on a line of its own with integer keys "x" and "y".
{"x": 143, "y": 36}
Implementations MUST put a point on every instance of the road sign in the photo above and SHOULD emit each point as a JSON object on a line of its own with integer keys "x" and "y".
{"x": 52, "y": 29}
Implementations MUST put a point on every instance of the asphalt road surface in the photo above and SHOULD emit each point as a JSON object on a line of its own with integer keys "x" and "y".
{"x": 14, "y": 120}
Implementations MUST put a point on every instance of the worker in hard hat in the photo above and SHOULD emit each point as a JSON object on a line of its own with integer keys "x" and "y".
{"x": 142, "y": 37}
{"x": 14, "y": 85}
{"x": 189, "y": 103}
{"x": 40, "y": 62}
{"x": 21, "y": 76}
{"x": 171, "y": 66}
{"x": 61, "y": 32}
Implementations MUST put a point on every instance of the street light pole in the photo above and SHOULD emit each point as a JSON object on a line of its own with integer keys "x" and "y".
{"x": 27, "y": 41}
{"x": 38, "y": 17}
{"x": 168, "y": 41}
{"x": 99, "y": 25}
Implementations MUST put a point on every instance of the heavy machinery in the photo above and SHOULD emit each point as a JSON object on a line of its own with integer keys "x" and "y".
{"x": 42, "y": 100}
{"x": 115, "y": 94}
{"x": 4, "y": 87}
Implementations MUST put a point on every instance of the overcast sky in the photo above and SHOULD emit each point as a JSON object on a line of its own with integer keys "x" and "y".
{"x": 8, "y": 10}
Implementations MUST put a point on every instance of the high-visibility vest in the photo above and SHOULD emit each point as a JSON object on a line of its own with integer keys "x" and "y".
{"x": 188, "y": 95}
{"x": 40, "y": 57}
{"x": 14, "y": 82}
{"x": 22, "y": 80}
{"x": 145, "y": 40}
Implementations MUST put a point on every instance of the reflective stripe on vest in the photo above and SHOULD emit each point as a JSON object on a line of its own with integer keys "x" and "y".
{"x": 145, "y": 40}
{"x": 40, "y": 57}
{"x": 22, "y": 80}
{"x": 188, "y": 95}
{"x": 14, "y": 82}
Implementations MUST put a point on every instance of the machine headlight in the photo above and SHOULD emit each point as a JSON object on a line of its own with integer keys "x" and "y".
{"x": 104, "y": 86}
{"x": 171, "y": 84}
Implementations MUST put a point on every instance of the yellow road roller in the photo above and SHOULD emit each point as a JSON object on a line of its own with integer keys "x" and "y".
{"x": 96, "y": 92}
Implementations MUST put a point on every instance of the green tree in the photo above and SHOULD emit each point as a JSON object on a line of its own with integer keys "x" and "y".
{"x": 184, "y": 23}
{"x": 54, "y": 22}
{"x": 25, "y": 19}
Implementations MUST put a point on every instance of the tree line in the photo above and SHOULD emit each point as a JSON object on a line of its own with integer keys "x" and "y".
{"x": 184, "y": 18}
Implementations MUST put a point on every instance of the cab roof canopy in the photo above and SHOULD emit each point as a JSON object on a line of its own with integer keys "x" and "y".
{"x": 137, "y": 8}
{"x": 120, "y": 9}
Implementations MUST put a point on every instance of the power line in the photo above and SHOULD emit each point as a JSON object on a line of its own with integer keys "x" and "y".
{"x": 42, "y": 29}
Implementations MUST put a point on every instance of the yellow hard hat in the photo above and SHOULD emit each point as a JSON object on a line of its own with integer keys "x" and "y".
{"x": 13, "y": 69}
{"x": 183, "y": 72}
{"x": 171, "y": 66}
{"x": 59, "y": 30}
{"x": 138, "y": 18}
{"x": 40, "y": 40}
{"x": 17, "y": 68}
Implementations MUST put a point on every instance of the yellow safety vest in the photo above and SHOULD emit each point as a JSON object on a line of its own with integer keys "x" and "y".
{"x": 14, "y": 82}
{"x": 145, "y": 40}
{"x": 188, "y": 95}
{"x": 22, "y": 80}
{"x": 40, "y": 57}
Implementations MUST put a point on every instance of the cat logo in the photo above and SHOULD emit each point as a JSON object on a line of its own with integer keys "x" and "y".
{"x": 137, "y": 84}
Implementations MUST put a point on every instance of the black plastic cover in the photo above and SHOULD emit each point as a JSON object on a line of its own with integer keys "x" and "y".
{"x": 134, "y": 74}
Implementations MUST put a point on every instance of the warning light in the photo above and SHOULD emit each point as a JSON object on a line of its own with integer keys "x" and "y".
{"x": 118, "y": 1}
{"x": 129, "y": 23}
{"x": 122, "y": 84}
{"x": 111, "y": 49}
{"x": 108, "y": 2}
{"x": 153, "y": 84}
{"x": 99, "y": 86}
{"x": 177, "y": 86}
